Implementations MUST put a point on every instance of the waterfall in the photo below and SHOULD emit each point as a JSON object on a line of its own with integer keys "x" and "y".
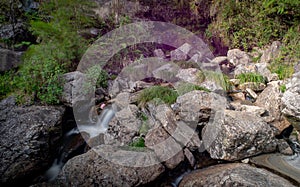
{"x": 101, "y": 124}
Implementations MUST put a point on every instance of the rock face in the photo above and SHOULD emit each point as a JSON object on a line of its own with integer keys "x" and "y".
{"x": 91, "y": 169}
{"x": 233, "y": 175}
{"x": 239, "y": 135}
{"x": 9, "y": 59}
{"x": 270, "y": 99}
{"x": 291, "y": 99}
{"x": 73, "y": 87}
{"x": 28, "y": 135}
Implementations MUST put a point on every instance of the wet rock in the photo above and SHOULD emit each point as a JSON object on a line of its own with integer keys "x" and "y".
{"x": 291, "y": 99}
{"x": 236, "y": 57}
{"x": 28, "y": 139}
{"x": 284, "y": 148}
{"x": 73, "y": 88}
{"x": 110, "y": 166}
{"x": 271, "y": 52}
{"x": 238, "y": 135}
{"x": 233, "y": 175}
{"x": 9, "y": 59}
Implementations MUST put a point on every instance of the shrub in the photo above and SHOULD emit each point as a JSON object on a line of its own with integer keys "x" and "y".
{"x": 164, "y": 94}
{"x": 58, "y": 49}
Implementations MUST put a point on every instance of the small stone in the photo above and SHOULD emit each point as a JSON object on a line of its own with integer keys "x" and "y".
{"x": 251, "y": 93}
{"x": 245, "y": 161}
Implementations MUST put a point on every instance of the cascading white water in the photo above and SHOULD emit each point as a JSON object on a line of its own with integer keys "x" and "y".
{"x": 101, "y": 125}
{"x": 57, "y": 164}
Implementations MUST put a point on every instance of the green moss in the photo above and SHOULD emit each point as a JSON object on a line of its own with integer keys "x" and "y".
{"x": 164, "y": 94}
{"x": 140, "y": 142}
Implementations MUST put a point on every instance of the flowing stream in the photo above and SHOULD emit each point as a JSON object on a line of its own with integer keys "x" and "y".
{"x": 288, "y": 166}
{"x": 93, "y": 129}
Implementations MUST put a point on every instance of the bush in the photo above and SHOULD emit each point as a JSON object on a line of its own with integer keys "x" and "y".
{"x": 58, "y": 49}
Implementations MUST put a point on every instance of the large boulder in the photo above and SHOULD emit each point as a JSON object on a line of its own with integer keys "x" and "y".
{"x": 28, "y": 139}
{"x": 270, "y": 99}
{"x": 237, "y": 135}
{"x": 233, "y": 175}
{"x": 110, "y": 166}
{"x": 124, "y": 127}
{"x": 271, "y": 52}
{"x": 197, "y": 106}
{"x": 9, "y": 59}
{"x": 73, "y": 88}
{"x": 291, "y": 99}
{"x": 236, "y": 57}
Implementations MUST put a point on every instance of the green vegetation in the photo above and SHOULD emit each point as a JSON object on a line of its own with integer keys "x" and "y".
{"x": 283, "y": 70}
{"x": 282, "y": 88}
{"x": 246, "y": 24}
{"x": 140, "y": 142}
{"x": 217, "y": 77}
{"x": 188, "y": 87}
{"x": 162, "y": 93}
{"x": 251, "y": 77}
{"x": 57, "y": 51}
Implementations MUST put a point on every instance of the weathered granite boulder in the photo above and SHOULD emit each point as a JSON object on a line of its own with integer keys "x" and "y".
{"x": 270, "y": 99}
{"x": 262, "y": 69}
{"x": 233, "y": 175}
{"x": 190, "y": 75}
{"x": 271, "y": 52}
{"x": 237, "y": 135}
{"x": 196, "y": 106}
{"x": 110, "y": 166}
{"x": 9, "y": 59}
{"x": 291, "y": 99}
{"x": 123, "y": 127}
{"x": 73, "y": 91}
{"x": 28, "y": 139}
{"x": 181, "y": 53}
{"x": 236, "y": 57}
